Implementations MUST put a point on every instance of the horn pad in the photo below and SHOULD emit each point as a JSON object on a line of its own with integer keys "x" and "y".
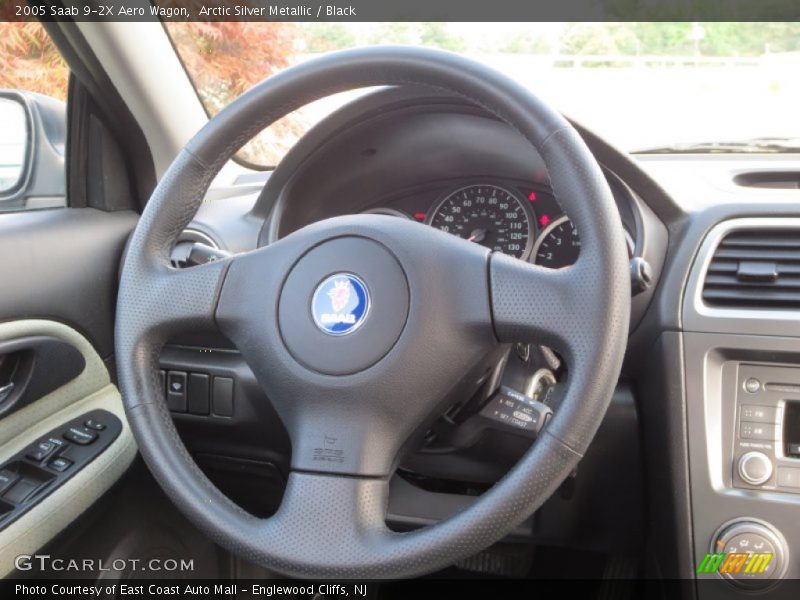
{"x": 343, "y": 305}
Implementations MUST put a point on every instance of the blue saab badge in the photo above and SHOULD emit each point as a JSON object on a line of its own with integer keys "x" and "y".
{"x": 340, "y": 304}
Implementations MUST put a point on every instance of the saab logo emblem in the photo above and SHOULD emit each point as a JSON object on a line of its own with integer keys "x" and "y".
{"x": 340, "y": 304}
{"x": 339, "y": 294}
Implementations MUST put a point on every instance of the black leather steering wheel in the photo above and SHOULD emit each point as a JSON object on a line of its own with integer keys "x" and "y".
{"x": 354, "y": 384}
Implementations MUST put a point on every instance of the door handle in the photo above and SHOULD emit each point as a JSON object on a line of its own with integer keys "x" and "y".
{"x": 5, "y": 391}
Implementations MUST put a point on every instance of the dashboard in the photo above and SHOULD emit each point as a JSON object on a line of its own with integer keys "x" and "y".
{"x": 679, "y": 428}
{"x": 447, "y": 164}
{"x": 678, "y": 434}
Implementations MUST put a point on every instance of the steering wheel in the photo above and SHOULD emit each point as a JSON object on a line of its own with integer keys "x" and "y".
{"x": 357, "y": 328}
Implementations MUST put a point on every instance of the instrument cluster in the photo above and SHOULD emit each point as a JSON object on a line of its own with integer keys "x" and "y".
{"x": 521, "y": 219}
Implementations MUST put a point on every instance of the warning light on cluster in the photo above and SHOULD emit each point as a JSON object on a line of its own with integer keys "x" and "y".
{"x": 419, "y": 216}
{"x": 544, "y": 220}
{"x": 532, "y": 196}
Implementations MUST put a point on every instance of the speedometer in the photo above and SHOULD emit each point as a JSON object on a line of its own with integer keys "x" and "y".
{"x": 488, "y": 215}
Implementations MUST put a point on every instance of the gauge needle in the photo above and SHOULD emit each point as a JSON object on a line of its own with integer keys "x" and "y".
{"x": 478, "y": 235}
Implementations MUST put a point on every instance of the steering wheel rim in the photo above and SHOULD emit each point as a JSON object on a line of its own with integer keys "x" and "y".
{"x": 332, "y": 519}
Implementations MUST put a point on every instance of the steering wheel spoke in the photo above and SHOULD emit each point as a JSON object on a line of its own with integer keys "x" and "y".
{"x": 531, "y": 303}
{"x": 173, "y": 300}
{"x": 324, "y": 518}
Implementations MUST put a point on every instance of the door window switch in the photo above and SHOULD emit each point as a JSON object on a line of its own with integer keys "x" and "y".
{"x": 44, "y": 448}
{"x": 21, "y": 490}
{"x": 60, "y": 464}
{"x": 7, "y": 479}
{"x": 80, "y": 435}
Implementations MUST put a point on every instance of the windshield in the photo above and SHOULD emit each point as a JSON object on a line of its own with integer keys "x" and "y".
{"x": 666, "y": 87}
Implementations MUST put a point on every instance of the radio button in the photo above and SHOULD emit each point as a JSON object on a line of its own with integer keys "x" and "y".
{"x": 757, "y": 431}
{"x": 755, "y": 468}
{"x": 751, "y": 385}
{"x": 759, "y": 414}
{"x": 788, "y": 477}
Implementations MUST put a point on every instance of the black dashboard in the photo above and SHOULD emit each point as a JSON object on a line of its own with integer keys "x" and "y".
{"x": 445, "y": 163}
{"x": 519, "y": 218}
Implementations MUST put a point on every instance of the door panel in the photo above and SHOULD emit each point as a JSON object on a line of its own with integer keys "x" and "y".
{"x": 63, "y": 264}
{"x": 52, "y": 510}
{"x": 58, "y": 275}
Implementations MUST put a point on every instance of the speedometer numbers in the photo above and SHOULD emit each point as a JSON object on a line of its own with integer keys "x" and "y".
{"x": 488, "y": 215}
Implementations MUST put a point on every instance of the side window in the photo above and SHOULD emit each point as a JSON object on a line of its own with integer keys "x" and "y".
{"x": 33, "y": 94}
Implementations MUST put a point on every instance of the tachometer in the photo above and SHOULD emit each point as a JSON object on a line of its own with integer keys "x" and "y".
{"x": 559, "y": 245}
{"x": 488, "y": 215}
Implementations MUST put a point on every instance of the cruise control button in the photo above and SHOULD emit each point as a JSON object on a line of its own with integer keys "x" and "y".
{"x": 80, "y": 435}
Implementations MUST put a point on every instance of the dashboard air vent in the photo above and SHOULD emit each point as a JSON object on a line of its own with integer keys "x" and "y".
{"x": 755, "y": 268}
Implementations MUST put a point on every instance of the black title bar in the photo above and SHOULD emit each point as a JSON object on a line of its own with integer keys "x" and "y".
{"x": 400, "y": 10}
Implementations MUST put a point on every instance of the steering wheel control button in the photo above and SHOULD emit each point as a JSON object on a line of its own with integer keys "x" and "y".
{"x": 752, "y": 385}
{"x": 60, "y": 464}
{"x": 340, "y": 304}
{"x": 83, "y": 436}
{"x": 357, "y": 298}
{"x": 755, "y": 468}
{"x": 222, "y": 396}
{"x": 176, "y": 391}
{"x": 517, "y": 412}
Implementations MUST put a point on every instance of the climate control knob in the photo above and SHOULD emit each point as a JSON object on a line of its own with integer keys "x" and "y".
{"x": 755, "y": 468}
{"x": 749, "y": 553}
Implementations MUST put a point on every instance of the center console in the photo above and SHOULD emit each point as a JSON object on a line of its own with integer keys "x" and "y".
{"x": 766, "y": 451}
{"x": 742, "y": 366}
